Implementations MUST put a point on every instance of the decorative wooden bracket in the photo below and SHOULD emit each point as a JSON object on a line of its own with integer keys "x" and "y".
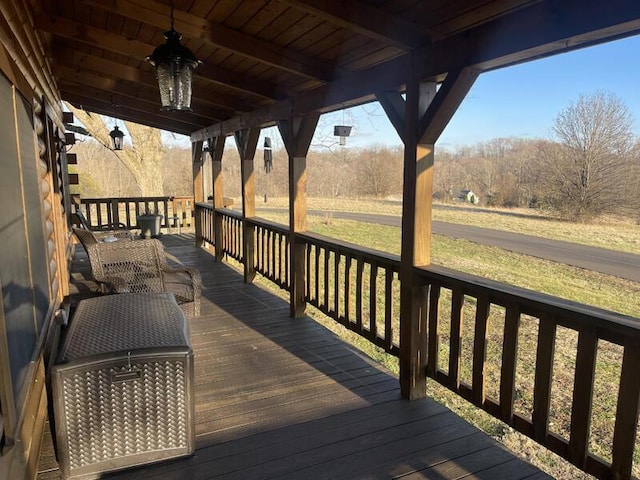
{"x": 435, "y": 110}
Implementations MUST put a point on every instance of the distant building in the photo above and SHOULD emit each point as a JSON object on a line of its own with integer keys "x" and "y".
{"x": 468, "y": 196}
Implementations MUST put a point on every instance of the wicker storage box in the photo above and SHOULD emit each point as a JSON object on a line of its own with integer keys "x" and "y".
{"x": 122, "y": 385}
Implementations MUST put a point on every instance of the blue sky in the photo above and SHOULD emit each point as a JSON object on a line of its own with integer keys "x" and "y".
{"x": 523, "y": 100}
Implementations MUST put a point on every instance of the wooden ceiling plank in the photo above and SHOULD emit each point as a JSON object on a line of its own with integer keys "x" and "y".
{"x": 243, "y": 13}
{"x": 480, "y": 15}
{"x": 163, "y": 122}
{"x": 367, "y": 20}
{"x": 68, "y": 29}
{"x": 157, "y": 14}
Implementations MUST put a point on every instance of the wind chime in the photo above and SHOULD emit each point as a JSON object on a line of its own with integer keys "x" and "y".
{"x": 268, "y": 164}
{"x": 268, "y": 155}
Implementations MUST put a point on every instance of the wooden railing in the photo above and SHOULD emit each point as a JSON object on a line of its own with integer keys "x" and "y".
{"x": 204, "y": 223}
{"x": 358, "y": 288}
{"x": 548, "y": 367}
{"x": 272, "y": 251}
{"x": 232, "y": 235}
{"x": 541, "y": 364}
{"x": 176, "y": 211}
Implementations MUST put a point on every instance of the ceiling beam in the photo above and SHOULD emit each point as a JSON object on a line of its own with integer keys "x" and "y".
{"x": 145, "y": 118}
{"x": 119, "y": 101}
{"x": 114, "y": 86}
{"x": 367, "y": 20}
{"x": 196, "y": 28}
{"x": 541, "y": 30}
{"x": 262, "y": 117}
{"x": 548, "y": 28}
{"x": 138, "y": 51}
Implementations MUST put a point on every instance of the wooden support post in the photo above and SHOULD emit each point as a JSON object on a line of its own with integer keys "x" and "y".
{"x": 217, "y": 149}
{"x": 419, "y": 121}
{"x": 198, "y": 193}
{"x": 297, "y": 134}
{"x": 247, "y": 141}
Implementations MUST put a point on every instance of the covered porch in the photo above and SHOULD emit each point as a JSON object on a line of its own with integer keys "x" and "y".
{"x": 278, "y": 397}
{"x": 269, "y": 377}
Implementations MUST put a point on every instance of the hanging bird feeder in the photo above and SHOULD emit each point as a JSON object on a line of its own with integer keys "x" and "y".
{"x": 342, "y": 131}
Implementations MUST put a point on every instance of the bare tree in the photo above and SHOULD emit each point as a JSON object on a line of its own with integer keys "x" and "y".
{"x": 587, "y": 173}
{"x": 101, "y": 174}
{"x": 143, "y": 158}
{"x": 378, "y": 172}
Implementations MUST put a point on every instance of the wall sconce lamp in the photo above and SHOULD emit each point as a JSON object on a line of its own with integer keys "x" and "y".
{"x": 174, "y": 64}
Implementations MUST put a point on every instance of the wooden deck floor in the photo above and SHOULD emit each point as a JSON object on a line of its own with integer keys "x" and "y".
{"x": 285, "y": 398}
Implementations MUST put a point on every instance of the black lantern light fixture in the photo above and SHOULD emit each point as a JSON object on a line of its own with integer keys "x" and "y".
{"x": 174, "y": 65}
{"x": 116, "y": 137}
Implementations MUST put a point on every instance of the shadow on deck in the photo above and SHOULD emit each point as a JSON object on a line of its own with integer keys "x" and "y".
{"x": 285, "y": 398}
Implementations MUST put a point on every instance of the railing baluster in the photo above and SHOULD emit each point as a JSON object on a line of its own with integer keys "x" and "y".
{"x": 359, "y": 271}
{"x": 128, "y": 213}
{"x": 373, "y": 295}
{"x": 317, "y": 273}
{"x": 433, "y": 336}
{"x": 583, "y": 396}
{"x": 480, "y": 349}
{"x": 287, "y": 268}
{"x": 165, "y": 210}
{"x": 509, "y": 358}
{"x": 347, "y": 289}
{"x": 624, "y": 435}
{"x": 99, "y": 213}
{"x": 269, "y": 241}
{"x": 543, "y": 377}
{"x": 336, "y": 285}
{"x": 326, "y": 280}
{"x": 115, "y": 213}
{"x": 455, "y": 341}
{"x": 88, "y": 213}
{"x": 388, "y": 310}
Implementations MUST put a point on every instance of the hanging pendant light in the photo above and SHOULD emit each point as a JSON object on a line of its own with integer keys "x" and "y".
{"x": 174, "y": 65}
{"x": 116, "y": 137}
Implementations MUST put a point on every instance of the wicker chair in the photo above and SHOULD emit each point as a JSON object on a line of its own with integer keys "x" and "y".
{"x": 141, "y": 266}
{"x": 118, "y": 231}
{"x": 89, "y": 237}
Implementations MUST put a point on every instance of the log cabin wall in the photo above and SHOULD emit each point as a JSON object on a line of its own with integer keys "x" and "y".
{"x": 34, "y": 236}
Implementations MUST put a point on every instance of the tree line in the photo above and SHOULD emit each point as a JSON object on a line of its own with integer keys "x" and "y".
{"x": 591, "y": 167}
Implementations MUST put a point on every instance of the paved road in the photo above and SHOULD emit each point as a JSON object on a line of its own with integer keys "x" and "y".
{"x": 619, "y": 264}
